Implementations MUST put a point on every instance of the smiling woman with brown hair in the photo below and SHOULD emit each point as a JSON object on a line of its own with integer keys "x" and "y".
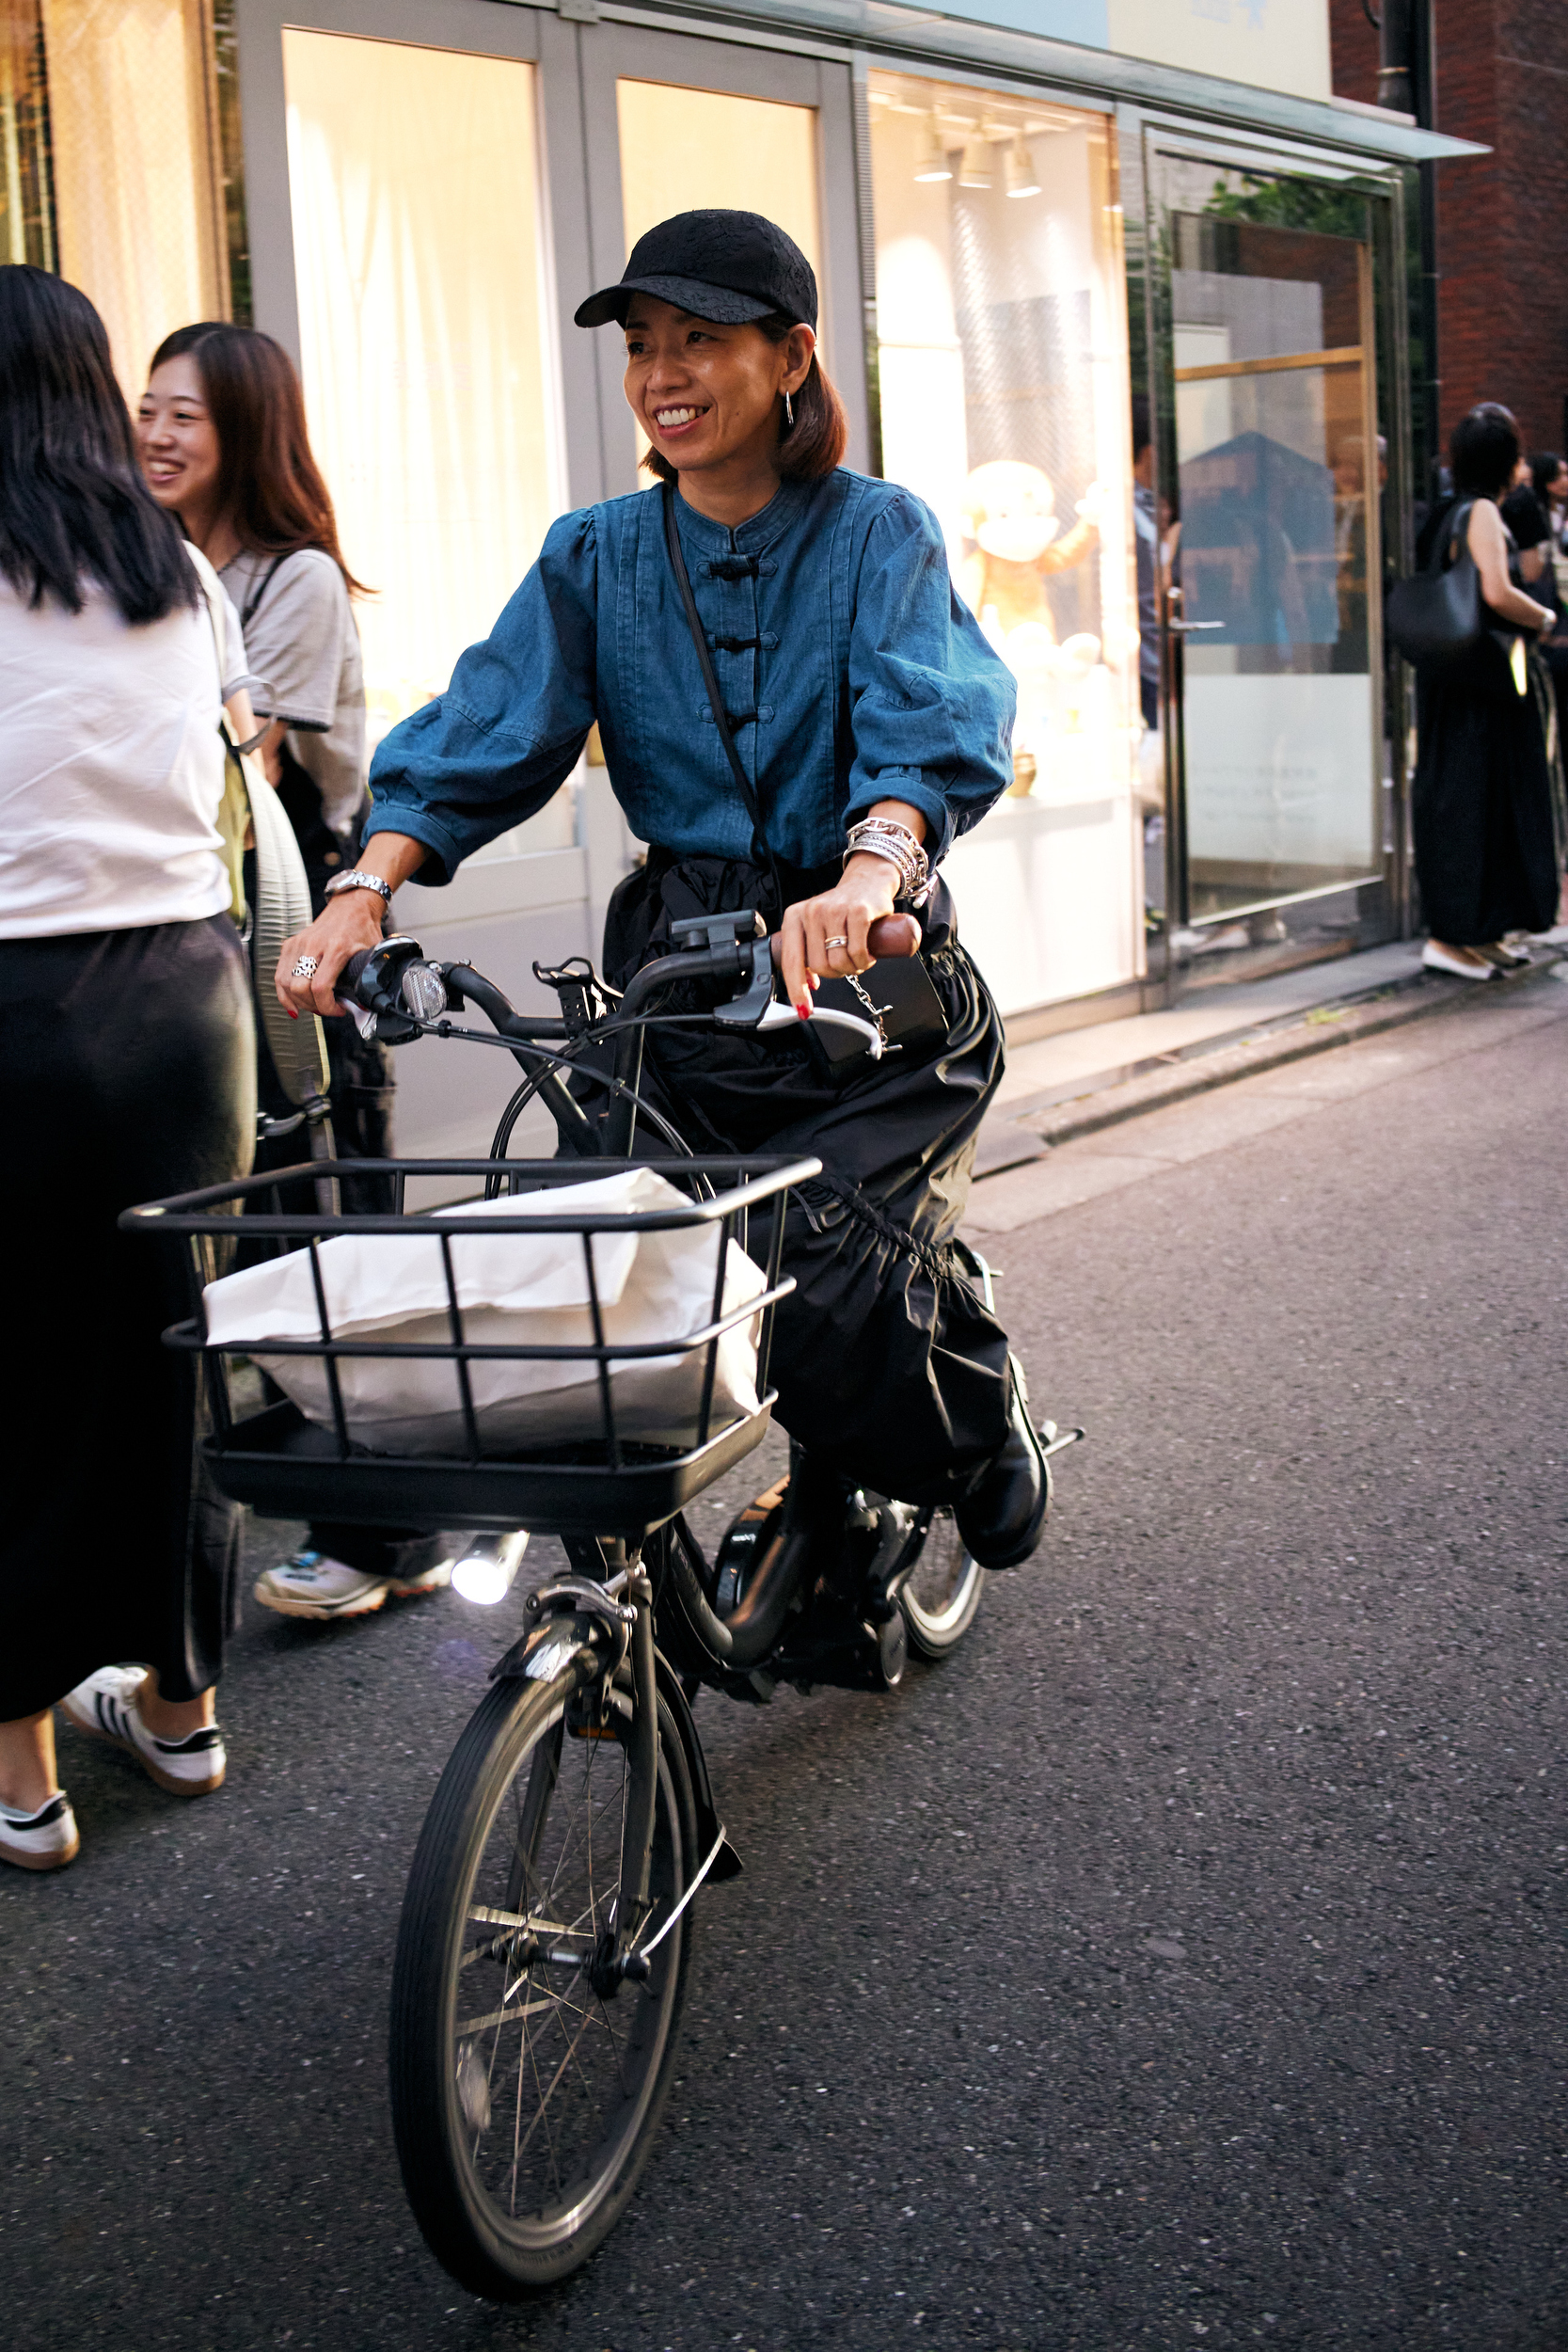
{"x": 799, "y": 714}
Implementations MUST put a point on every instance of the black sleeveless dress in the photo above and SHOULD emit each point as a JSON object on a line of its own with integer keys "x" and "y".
{"x": 1485, "y": 854}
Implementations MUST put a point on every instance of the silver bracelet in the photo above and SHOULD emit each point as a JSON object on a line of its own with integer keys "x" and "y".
{"x": 883, "y": 836}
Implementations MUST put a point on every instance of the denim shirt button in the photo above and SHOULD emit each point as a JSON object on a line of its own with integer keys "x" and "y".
{"x": 768, "y": 567}
{"x": 765, "y": 712}
{"x": 705, "y": 715}
{"x": 770, "y": 641}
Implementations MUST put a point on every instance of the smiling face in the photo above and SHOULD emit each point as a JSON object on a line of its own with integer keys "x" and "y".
{"x": 708, "y": 395}
{"x": 177, "y": 439}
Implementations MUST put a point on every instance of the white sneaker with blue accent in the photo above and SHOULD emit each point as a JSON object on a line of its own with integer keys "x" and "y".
{"x": 44, "y": 1840}
{"x": 313, "y": 1584}
{"x": 104, "y": 1707}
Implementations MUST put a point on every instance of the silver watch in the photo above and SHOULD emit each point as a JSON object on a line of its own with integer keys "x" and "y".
{"x": 356, "y": 881}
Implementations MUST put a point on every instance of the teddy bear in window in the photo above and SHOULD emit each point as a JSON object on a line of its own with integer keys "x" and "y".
{"x": 1009, "y": 512}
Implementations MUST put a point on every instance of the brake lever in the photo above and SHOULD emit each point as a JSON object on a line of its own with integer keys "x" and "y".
{"x": 781, "y": 1016}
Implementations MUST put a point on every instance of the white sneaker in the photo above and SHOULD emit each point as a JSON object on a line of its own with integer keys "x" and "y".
{"x": 44, "y": 1840}
{"x": 104, "y": 1707}
{"x": 313, "y": 1584}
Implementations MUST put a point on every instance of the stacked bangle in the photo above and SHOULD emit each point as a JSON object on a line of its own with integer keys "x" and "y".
{"x": 883, "y": 836}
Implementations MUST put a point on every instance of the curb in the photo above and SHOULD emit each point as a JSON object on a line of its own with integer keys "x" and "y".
{"x": 1319, "y": 1031}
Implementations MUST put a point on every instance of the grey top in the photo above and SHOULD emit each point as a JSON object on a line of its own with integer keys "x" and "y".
{"x": 301, "y": 641}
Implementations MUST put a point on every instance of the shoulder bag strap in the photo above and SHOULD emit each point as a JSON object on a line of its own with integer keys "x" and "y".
{"x": 762, "y": 853}
{"x": 253, "y": 602}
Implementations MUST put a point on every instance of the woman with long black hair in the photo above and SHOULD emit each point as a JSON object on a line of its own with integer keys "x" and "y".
{"x": 224, "y": 444}
{"x": 855, "y": 721}
{"x": 126, "y": 1070}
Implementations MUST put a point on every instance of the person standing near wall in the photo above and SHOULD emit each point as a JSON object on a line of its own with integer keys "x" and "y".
{"x": 127, "y": 1070}
{"x": 1485, "y": 852}
{"x": 224, "y": 444}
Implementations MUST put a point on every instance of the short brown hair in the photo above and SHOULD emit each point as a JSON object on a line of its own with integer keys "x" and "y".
{"x": 269, "y": 484}
{"x": 816, "y": 443}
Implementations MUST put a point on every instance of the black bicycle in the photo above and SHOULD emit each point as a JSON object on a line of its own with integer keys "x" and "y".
{"x": 545, "y": 1947}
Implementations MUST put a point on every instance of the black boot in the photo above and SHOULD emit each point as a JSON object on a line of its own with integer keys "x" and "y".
{"x": 1000, "y": 1517}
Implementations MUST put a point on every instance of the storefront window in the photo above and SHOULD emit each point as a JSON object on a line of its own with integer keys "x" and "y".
{"x": 26, "y": 196}
{"x": 425, "y": 339}
{"x": 133, "y": 132}
{"x": 1005, "y": 403}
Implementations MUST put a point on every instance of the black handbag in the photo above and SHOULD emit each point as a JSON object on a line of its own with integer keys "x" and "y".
{"x": 897, "y": 992}
{"x": 1439, "y": 614}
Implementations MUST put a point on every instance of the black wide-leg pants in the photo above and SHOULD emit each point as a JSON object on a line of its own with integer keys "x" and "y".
{"x": 889, "y": 1366}
{"x": 127, "y": 1071}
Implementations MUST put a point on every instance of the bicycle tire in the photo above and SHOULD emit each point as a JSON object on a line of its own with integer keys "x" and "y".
{"x": 942, "y": 1596}
{"x": 439, "y": 2103}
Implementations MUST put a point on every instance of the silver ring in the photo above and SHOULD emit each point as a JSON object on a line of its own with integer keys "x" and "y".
{"x": 305, "y": 968}
{"x": 835, "y": 943}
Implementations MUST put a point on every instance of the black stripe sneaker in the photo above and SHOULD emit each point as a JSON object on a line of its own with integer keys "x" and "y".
{"x": 44, "y": 1840}
{"x": 104, "y": 1707}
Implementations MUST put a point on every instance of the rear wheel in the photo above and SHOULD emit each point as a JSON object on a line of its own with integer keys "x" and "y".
{"x": 526, "y": 2091}
{"x": 942, "y": 1596}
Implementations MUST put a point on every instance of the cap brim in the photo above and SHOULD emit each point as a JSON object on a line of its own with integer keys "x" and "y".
{"x": 702, "y": 301}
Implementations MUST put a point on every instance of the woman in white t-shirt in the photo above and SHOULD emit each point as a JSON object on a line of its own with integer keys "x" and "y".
{"x": 221, "y": 431}
{"x": 126, "y": 1068}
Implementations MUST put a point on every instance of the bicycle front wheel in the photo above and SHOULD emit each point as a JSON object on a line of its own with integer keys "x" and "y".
{"x": 525, "y": 2102}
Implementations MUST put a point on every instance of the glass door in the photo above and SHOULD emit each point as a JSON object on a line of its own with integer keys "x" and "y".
{"x": 1272, "y": 537}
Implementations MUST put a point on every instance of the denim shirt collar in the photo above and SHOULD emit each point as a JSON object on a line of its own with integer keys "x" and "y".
{"x": 756, "y": 534}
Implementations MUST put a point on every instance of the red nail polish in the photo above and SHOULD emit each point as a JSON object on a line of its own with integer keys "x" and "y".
{"x": 292, "y": 1015}
{"x": 804, "y": 1011}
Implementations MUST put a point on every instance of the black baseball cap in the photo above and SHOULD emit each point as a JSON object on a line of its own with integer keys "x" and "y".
{"x": 730, "y": 267}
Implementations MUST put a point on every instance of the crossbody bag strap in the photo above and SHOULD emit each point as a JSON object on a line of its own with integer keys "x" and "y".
{"x": 762, "y": 853}
{"x": 253, "y": 602}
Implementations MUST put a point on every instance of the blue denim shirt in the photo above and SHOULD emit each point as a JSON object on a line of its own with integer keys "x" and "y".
{"x": 856, "y": 670}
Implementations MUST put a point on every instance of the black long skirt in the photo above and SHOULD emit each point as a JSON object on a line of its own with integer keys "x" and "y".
{"x": 128, "y": 1071}
{"x": 888, "y": 1365}
{"x": 1485, "y": 854}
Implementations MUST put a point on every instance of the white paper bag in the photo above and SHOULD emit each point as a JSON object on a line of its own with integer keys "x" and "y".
{"x": 513, "y": 1288}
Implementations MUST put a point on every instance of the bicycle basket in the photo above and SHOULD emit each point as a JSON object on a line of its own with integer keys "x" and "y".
{"x": 583, "y": 1353}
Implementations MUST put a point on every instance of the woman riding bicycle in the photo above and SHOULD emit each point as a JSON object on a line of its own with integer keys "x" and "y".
{"x": 869, "y": 722}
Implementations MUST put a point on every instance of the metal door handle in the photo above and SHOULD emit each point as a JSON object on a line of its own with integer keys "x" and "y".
{"x": 1185, "y": 629}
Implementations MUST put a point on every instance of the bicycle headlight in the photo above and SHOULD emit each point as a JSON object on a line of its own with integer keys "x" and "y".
{"x": 423, "y": 990}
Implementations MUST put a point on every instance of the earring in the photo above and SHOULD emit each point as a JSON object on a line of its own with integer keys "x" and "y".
{"x": 789, "y": 412}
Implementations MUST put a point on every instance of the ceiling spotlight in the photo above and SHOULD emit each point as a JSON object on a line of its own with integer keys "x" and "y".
{"x": 975, "y": 171}
{"x": 932, "y": 163}
{"x": 1023, "y": 179}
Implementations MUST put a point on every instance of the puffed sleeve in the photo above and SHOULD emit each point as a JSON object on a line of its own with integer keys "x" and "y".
{"x": 507, "y": 732}
{"x": 931, "y": 703}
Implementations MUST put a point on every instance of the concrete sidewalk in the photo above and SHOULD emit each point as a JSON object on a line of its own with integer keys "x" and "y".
{"x": 1086, "y": 1079}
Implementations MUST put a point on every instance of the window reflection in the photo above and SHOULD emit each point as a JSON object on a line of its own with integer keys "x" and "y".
{"x": 1004, "y": 401}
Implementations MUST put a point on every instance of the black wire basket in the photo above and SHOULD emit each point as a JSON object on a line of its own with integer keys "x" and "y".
{"x": 608, "y": 1482}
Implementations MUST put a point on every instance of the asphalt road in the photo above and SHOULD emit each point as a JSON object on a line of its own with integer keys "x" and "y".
{"x": 1181, "y": 1963}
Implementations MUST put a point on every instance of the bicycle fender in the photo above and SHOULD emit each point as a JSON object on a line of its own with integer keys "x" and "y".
{"x": 571, "y": 1641}
{"x": 728, "y": 1864}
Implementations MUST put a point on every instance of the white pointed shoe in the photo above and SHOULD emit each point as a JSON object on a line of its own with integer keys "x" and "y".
{"x": 1438, "y": 959}
{"x": 104, "y": 1707}
{"x": 44, "y": 1840}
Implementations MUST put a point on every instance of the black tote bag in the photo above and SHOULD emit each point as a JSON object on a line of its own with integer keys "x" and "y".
{"x": 1438, "y": 614}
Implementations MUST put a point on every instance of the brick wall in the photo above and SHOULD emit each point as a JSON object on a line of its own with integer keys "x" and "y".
{"x": 1502, "y": 218}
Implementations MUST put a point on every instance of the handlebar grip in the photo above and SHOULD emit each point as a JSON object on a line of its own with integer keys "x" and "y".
{"x": 889, "y": 935}
{"x": 348, "y": 979}
{"x": 893, "y": 935}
